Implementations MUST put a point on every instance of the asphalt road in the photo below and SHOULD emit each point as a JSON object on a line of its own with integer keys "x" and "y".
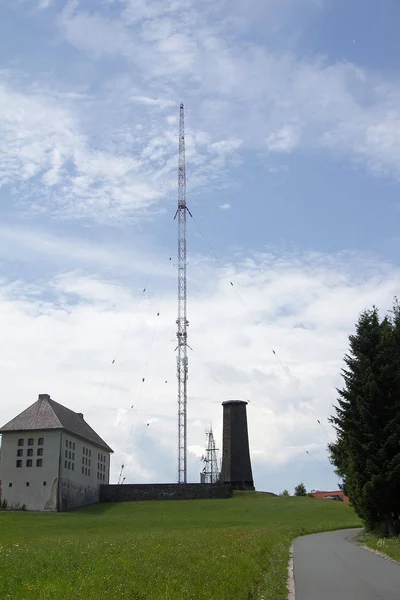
{"x": 330, "y": 566}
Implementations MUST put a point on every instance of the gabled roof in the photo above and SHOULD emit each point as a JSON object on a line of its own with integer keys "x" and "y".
{"x": 48, "y": 414}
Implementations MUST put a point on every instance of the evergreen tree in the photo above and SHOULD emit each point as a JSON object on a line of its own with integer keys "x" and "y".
{"x": 300, "y": 490}
{"x": 366, "y": 453}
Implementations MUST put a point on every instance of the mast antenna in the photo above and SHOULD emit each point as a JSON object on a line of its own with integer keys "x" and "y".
{"x": 182, "y": 322}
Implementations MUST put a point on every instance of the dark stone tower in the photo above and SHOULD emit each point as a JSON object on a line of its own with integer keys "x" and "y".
{"x": 236, "y": 465}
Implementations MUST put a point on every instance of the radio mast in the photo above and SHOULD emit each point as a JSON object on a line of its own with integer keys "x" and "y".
{"x": 182, "y": 322}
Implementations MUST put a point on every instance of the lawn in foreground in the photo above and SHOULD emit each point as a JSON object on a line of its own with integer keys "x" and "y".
{"x": 236, "y": 549}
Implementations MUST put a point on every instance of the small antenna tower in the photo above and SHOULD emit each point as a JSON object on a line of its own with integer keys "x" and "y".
{"x": 182, "y": 322}
{"x": 211, "y": 472}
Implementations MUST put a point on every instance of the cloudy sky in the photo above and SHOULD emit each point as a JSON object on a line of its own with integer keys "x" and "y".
{"x": 293, "y": 168}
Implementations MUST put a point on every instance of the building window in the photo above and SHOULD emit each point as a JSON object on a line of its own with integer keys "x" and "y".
{"x": 19, "y": 463}
{"x": 20, "y": 442}
{"x": 89, "y": 472}
{"x": 44, "y": 483}
{"x": 69, "y": 455}
{"x": 90, "y": 453}
{"x": 20, "y": 452}
{"x": 29, "y": 462}
{"x": 66, "y": 464}
{"x": 40, "y": 452}
{"x": 73, "y": 445}
{"x": 29, "y": 452}
{"x": 10, "y": 484}
{"x": 40, "y": 441}
{"x": 39, "y": 462}
{"x": 70, "y": 444}
{"x": 90, "y": 463}
{"x": 69, "y": 465}
{"x": 73, "y": 467}
{"x": 83, "y": 460}
{"x": 73, "y": 456}
{"x": 30, "y": 441}
{"x": 27, "y": 484}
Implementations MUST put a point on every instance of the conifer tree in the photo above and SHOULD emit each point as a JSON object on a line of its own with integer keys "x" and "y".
{"x": 366, "y": 453}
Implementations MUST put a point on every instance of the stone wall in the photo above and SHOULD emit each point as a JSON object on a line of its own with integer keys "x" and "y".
{"x": 73, "y": 495}
{"x": 164, "y": 491}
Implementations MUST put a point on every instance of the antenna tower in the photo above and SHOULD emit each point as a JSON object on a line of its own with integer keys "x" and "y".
{"x": 210, "y": 473}
{"x": 182, "y": 322}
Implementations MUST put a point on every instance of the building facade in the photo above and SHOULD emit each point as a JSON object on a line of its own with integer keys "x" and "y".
{"x": 51, "y": 459}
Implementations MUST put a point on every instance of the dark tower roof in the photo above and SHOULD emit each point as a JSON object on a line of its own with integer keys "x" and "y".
{"x": 234, "y": 402}
{"x": 45, "y": 413}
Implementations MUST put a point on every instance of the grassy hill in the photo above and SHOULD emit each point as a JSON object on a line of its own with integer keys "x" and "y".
{"x": 235, "y": 549}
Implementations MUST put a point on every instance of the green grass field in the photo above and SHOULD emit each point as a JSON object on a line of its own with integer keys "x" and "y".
{"x": 390, "y": 547}
{"x": 236, "y": 549}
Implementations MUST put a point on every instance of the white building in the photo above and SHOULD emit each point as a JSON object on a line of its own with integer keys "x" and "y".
{"x": 51, "y": 459}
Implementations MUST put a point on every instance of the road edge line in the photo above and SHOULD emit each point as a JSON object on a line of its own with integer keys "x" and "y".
{"x": 290, "y": 580}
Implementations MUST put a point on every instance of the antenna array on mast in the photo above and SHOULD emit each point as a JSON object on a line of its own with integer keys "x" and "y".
{"x": 182, "y": 322}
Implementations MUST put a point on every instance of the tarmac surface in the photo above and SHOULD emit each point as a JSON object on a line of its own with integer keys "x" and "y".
{"x": 331, "y": 566}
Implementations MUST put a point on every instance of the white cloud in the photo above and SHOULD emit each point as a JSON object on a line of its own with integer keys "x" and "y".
{"x": 43, "y": 147}
{"x": 284, "y": 139}
{"x": 43, "y": 4}
{"x": 54, "y": 252}
{"x": 56, "y": 158}
{"x": 64, "y": 333}
{"x": 226, "y": 206}
{"x": 158, "y": 102}
{"x": 239, "y": 88}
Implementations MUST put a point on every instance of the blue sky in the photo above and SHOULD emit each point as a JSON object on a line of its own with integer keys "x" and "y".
{"x": 293, "y": 132}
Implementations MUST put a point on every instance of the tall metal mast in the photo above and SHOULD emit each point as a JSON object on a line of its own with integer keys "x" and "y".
{"x": 182, "y": 322}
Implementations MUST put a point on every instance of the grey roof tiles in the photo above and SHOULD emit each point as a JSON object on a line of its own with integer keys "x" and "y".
{"x": 48, "y": 414}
